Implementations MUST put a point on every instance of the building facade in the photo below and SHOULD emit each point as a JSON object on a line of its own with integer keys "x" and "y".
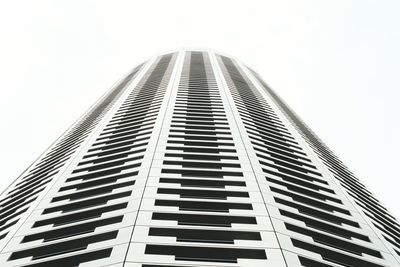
{"x": 192, "y": 160}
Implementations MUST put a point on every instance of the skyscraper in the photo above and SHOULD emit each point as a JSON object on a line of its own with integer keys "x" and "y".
{"x": 192, "y": 160}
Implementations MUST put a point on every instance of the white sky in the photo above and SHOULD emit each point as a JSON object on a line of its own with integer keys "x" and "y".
{"x": 335, "y": 62}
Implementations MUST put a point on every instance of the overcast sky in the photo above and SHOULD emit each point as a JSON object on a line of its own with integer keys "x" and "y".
{"x": 336, "y": 63}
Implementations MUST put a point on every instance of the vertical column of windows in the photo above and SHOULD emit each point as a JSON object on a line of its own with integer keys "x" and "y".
{"x": 307, "y": 205}
{"x": 200, "y": 207}
{"x": 91, "y": 215}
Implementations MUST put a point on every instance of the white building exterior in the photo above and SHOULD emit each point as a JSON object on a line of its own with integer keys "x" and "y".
{"x": 192, "y": 160}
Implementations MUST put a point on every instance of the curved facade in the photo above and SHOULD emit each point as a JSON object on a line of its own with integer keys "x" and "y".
{"x": 192, "y": 160}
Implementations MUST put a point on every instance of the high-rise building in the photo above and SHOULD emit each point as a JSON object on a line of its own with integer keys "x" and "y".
{"x": 192, "y": 160}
